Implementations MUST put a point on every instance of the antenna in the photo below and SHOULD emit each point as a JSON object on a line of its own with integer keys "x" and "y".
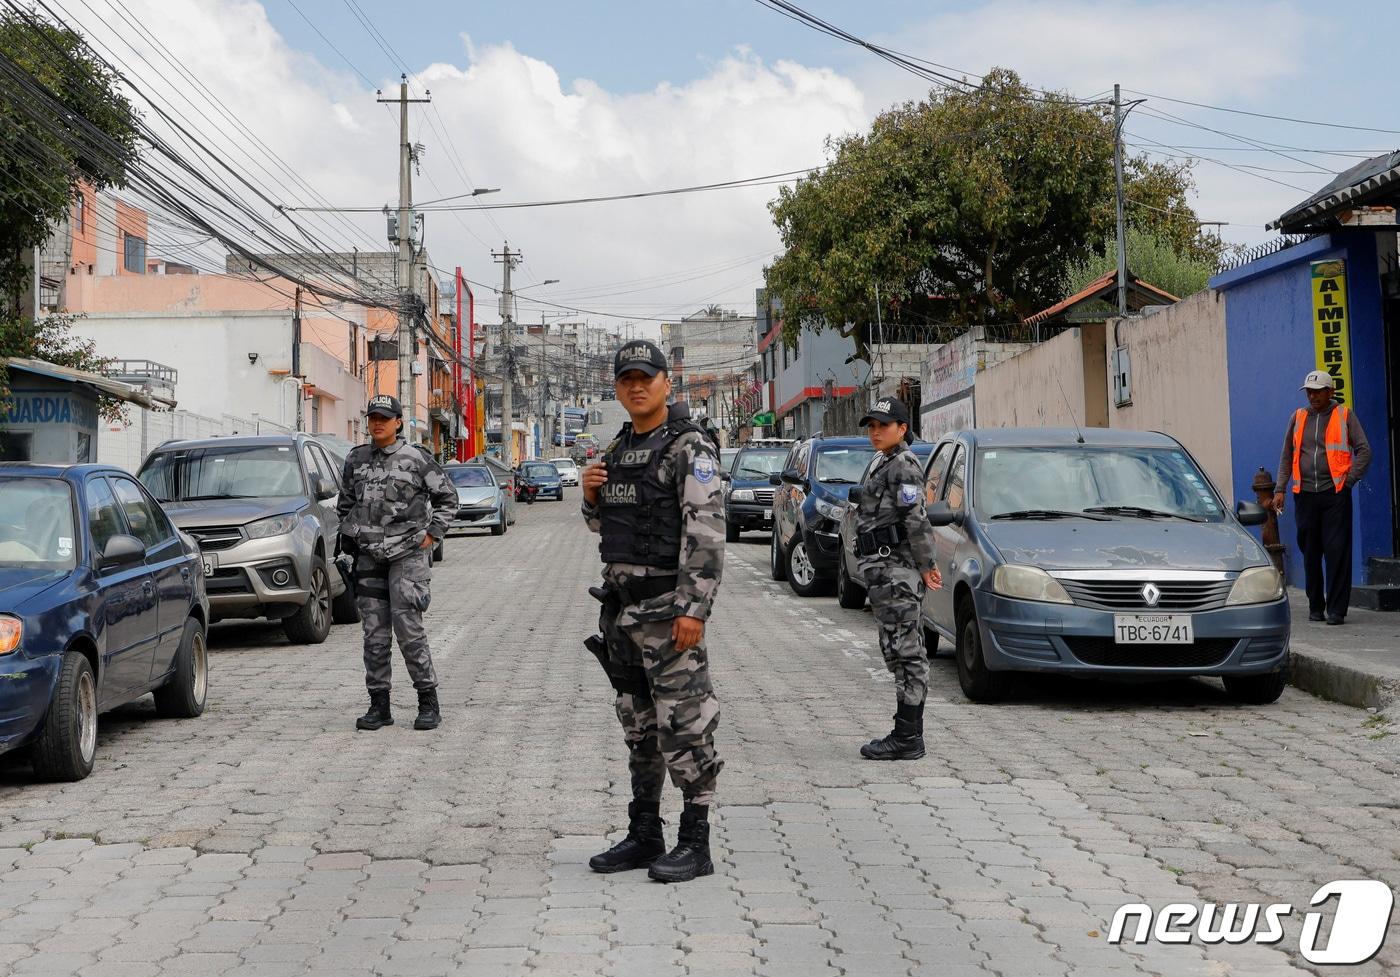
{"x": 1080, "y": 438}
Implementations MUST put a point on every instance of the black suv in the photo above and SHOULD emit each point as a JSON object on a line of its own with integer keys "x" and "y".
{"x": 807, "y": 509}
{"x": 748, "y": 499}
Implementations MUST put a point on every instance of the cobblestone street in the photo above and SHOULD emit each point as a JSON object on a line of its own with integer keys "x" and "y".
{"x": 270, "y": 838}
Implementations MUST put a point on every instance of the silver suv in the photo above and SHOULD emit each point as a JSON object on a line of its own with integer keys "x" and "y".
{"x": 263, "y": 511}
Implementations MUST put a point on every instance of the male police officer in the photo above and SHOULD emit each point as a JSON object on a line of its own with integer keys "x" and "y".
{"x": 894, "y": 543}
{"x": 395, "y": 504}
{"x": 655, "y": 498}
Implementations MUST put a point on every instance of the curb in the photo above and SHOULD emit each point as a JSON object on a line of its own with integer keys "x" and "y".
{"x": 1327, "y": 677}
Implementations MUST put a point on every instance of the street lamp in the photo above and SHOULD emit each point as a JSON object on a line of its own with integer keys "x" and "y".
{"x": 480, "y": 190}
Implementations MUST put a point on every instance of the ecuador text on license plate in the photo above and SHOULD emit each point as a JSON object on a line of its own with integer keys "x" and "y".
{"x": 1153, "y": 629}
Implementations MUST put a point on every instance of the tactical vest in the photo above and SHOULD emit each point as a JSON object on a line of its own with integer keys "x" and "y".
{"x": 641, "y": 515}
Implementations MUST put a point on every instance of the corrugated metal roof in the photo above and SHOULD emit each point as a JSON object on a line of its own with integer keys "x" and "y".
{"x": 1362, "y": 183}
{"x": 113, "y": 388}
{"x": 1103, "y": 287}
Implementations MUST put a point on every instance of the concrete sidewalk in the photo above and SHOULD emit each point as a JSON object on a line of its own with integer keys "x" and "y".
{"x": 1357, "y": 663}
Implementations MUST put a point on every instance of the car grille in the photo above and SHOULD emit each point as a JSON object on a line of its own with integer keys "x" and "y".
{"x": 763, "y": 496}
{"x": 1123, "y": 595}
{"x": 1104, "y": 651}
{"x": 227, "y": 580}
{"x": 217, "y": 537}
{"x": 474, "y": 513}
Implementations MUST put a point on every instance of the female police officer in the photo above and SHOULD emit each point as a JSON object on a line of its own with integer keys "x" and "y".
{"x": 894, "y": 544}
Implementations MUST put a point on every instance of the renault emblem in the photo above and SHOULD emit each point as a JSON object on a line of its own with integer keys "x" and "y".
{"x": 1151, "y": 594}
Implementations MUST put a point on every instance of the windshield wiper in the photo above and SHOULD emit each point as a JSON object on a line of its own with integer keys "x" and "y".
{"x": 1142, "y": 512}
{"x": 221, "y": 495}
{"x": 754, "y": 472}
{"x": 838, "y": 480}
{"x": 1048, "y": 514}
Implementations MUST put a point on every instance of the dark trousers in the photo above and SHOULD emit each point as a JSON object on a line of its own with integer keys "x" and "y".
{"x": 1324, "y": 536}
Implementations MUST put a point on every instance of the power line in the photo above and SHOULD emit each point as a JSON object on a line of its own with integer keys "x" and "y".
{"x": 1265, "y": 115}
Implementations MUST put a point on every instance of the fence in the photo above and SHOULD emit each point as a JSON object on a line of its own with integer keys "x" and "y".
{"x": 1236, "y": 259}
{"x": 127, "y": 444}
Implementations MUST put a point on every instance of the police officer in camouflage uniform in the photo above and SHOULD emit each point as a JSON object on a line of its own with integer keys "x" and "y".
{"x": 655, "y": 498}
{"x": 894, "y": 544}
{"x": 395, "y": 504}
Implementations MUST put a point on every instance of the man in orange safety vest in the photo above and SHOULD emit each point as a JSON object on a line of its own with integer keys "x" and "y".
{"x": 1325, "y": 453}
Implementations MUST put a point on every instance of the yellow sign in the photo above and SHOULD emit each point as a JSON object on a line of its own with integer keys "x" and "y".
{"x": 1331, "y": 336}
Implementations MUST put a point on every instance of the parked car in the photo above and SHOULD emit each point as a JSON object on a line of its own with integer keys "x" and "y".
{"x": 850, "y": 584}
{"x": 544, "y": 478}
{"x": 585, "y": 448}
{"x": 568, "y": 470}
{"x": 103, "y": 602}
{"x": 337, "y": 447}
{"x": 263, "y": 511}
{"x": 505, "y": 477}
{"x": 481, "y": 502}
{"x": 748, "y": 498}
{"x": 726, "y": 458}
{"x": 817, "y": 474}
{"x": 1106, "y": 553}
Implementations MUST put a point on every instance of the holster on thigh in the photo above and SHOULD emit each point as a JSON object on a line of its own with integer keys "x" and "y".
{"x": 613, "y": 649}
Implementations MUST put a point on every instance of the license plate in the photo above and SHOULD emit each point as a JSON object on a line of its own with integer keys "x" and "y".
{"x": 767, "y": 513}
{"x": 1153, "y": 629}
{"x": 211, "y": 563}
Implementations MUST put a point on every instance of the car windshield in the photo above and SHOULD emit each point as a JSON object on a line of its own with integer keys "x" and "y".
{"x": 36, "y": 524}
{"x": 842, "y": 465}
{"x": 1147, "y": 483}
{"x": 540, "y": 471}
{"x": 759, "y": 463}
{"x": 222, "y": 472}
{"x": 564, "y": 463}
{"x": 470, "y": 477}
{"x": 726, "y": 458}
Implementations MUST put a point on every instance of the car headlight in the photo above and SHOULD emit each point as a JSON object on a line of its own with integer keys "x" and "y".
{"x": 11, "y": 628}
{"x": 831, "y": 510}
{"x": 741, "y": 495}
{"x": 1257, "y": 585}
{"x": 1028, "y": 583}
{"x": 275, "y": 526}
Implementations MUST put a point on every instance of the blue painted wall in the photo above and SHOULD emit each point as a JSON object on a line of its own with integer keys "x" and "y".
{"x": 1269, "y": 346}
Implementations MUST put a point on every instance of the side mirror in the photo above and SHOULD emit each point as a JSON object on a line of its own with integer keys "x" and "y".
{"x": 726, "y": 477}
{"x": 854, "y": 495}
{"x": 321, "y": 488}
{"x": 775, "y": 479}
{"x": 942, "y": 514}
{"x": 122, "y": 550}
{"x": 1251, "y": 514}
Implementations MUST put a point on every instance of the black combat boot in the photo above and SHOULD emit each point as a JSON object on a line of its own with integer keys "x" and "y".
{"x": 691, "y": 856}
{"x": 642, "y": 846}
{"x": 905, "y": 741}
{"x": 428, "y": 715}
{"x": 379, "y": 714}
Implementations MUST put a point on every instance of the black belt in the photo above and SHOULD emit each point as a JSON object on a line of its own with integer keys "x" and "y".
{"x": 880, "y": 540}
{"x": 641, "y": 588}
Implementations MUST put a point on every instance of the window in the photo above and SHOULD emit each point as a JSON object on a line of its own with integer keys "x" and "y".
{"x": 937, "y": 471}
{"x": 134, "y": 254}
{"x": 14, "y": 446}
{"x": 785, "y": 356}
{"x": 957, "y": 476}
{"x": 79, "y": 212}
{"x": 316, "y": 463}
{"x": 223, "y": 472}
{"x": 104, "y": 521}
{"x": 36, "y": 524}
{"x": 799, "y": 460}
{"x": 144, "y": 518}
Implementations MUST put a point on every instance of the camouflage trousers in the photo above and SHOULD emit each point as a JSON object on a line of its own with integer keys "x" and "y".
{"x": 392, "y": 597}
{"x": 894, "y": 598}
{"x": 671, "y": 729}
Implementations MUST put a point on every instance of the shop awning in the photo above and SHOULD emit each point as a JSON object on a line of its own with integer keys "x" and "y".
{"x": 113, "y": 388}
{"x": 1374, "y": 181}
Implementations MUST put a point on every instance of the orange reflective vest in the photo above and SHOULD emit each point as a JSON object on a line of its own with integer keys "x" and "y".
{"x": 1335, "y": 443}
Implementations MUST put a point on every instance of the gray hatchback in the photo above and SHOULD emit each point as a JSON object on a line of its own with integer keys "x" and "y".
{"x": 1106, "y": 553}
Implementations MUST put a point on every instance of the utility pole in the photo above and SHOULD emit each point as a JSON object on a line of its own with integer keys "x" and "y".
{"x": 296, "y": 352}
{"x": 1118, "y": 183}
{"x": 404, "y": 235}
{"x": 508, "y": 260}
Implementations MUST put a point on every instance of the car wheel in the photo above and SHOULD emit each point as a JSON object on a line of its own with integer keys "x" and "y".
{"x": 184, "y": 695}
{"x": 1257, "y": 690}
{"x": 777, "y": 559}
{"x": 930, "y": 642}
{"x": 801, "y": 573}
{"x": 312, "y": 621}
{"x": 731, "y": 532}
{"x": 849, "y": 594}
{"x": 67, "y": 743}
{"x": 978, "y": 682}
{"x": 499, "y": 529}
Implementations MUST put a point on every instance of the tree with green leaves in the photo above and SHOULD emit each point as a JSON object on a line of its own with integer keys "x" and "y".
{"x": 968, "y": 207}
{"x": 1152, "y": 257}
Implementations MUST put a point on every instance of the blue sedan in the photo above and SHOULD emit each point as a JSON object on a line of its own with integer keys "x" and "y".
{"x": 545, "y": 477}
{"x": 101, "y": 601}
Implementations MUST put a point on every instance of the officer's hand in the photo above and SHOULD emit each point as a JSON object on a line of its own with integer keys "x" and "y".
{"x": 427, "y": 542}
{"x": 933, "y": 580}
{"x": 594, "y": 477}
{"x": 1278, "y": 502}
{"x": 687, "y": 632}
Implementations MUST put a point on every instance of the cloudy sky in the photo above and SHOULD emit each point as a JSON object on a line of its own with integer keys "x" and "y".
{"x": 550, "y": 99}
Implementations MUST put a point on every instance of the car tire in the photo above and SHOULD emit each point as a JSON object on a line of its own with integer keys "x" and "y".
{"x": 499, "y": 529}
{"x": 312, "y": 622}
{"x": 979, "y": 683}
{"x": 802, "y": 576}
{"x": 184, "y": 695}
{"x": 67, "y": 744}
{"x": 930, "y": 642}
{"x": 731, "y": 532}
{"x": 777, "y": 559}
{"x": 1256, "y": 690}
{"x": 849, "y": 594}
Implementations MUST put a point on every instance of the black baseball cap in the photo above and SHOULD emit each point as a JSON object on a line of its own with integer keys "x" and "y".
{"x": 886, "y": 409}
{"x": 639, "y": 355}
{"x": 384, "y": 406}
